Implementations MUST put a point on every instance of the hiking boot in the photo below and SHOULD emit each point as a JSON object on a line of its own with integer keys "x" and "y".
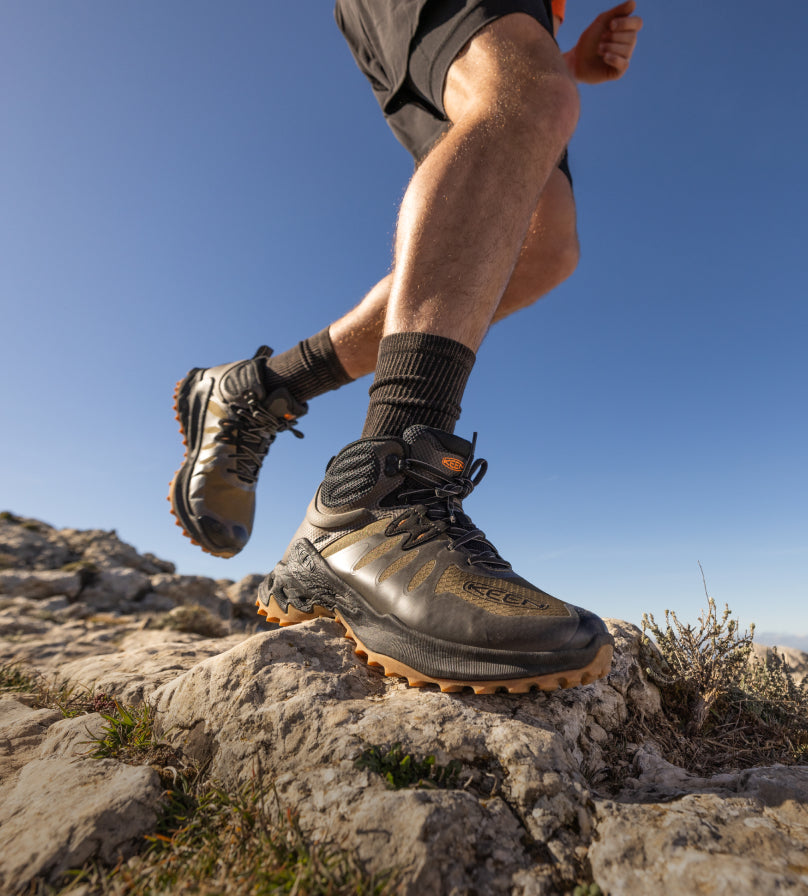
{"x": 386, "y": 548}
{"x": 228, "y": 420}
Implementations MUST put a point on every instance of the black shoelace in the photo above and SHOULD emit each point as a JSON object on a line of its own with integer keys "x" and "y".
{"x": 440, "y": 508}
{"x": 252, "y": 429}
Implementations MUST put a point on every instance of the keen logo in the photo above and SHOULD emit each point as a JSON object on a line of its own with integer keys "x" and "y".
{"x": 453, "y": 463}
{"x": 501, "y": 596}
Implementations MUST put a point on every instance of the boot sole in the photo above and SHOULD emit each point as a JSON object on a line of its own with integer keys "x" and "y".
{"x": 322, "y": 603}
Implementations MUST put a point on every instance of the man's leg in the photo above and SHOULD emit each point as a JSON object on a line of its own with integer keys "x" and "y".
{"x": 465, "y": 217}
{"x": 467, "y": 211}
{"x": 548, "y": 257}
{"x": 385, "y": 545}
{"x": 513, "y": 108}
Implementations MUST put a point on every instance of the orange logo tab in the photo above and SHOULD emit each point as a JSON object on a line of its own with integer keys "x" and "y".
{"x": 453, "y": 463}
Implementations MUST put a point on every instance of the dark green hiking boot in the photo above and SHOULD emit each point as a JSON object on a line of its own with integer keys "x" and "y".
{"x": 228, "y": 420}
{"x": 387, "y": 549}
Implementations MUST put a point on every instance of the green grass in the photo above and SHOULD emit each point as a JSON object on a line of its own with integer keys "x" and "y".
{"x": 128, "y": 734}
{"x": 402, "y": 769}
{"x": 14, "y": 678}
{"x": 211, "y": 841}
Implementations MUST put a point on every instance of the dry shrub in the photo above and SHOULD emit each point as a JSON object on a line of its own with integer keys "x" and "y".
{"x": 723, "y": 707}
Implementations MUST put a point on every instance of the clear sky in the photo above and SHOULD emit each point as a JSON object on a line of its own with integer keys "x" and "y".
{"x": 182, "y": 182}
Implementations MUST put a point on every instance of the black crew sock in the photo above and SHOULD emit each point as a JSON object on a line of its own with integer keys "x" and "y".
{"x": 420, "y": 379}
{"x": 309, "y": 369}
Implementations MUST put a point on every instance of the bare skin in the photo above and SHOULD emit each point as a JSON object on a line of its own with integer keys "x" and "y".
{"x": 549, "y": 256}
{"x": 487, "y": 225}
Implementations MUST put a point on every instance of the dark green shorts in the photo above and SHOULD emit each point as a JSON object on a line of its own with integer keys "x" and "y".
{"x": 405, "y": 49}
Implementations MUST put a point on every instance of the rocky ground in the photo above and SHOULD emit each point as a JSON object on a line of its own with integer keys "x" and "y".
{"x": 549, "y": 792}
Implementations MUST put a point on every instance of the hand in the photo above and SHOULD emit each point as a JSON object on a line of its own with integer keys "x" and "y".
{"x": 603, "y": 51}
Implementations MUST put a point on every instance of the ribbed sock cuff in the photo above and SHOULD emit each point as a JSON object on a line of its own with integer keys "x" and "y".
{"x": 420, "y": 379}
{"x": 310, "y": 368}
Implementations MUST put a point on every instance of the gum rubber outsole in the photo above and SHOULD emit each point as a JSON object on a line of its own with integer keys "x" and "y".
{"x": 173, "y": 484}
{"x": 570, "y": 678}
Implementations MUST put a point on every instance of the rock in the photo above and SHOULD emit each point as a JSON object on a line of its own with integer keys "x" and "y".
{"x": 21, "y": 732}
{"x": 193, "y": 590}
{"x": 59, "y": 813}
{"x": 73, "y": 738}
{"x": 68, "y": 640}
{"x": 242, "y": 596}
{"x": 105, "y": 550}
{"x": 300, "y": 703}
{"x": 30, "y": 544}
{"x": 295, "y": 709}
{"x": 39, "y": 584}
{"x": 115, "y": 588}
{"x": 141, "y": 662}
{"x": 701, "y": 843}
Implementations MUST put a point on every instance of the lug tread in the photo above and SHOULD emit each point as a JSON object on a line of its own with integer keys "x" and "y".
{"x": 597, "y": 668}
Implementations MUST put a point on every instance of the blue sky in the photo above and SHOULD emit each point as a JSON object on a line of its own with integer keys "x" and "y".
{"x": 181, "y": 182}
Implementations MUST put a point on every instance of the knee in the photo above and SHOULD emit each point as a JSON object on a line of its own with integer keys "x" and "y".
{"x": 549, "y": 106}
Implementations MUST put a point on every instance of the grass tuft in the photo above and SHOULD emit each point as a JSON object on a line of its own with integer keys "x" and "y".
{"x": 128, "y": 734}
{"x": 211, "y": 841}
{"x": 402, "y": 769}
{"x": 69, "y": 699}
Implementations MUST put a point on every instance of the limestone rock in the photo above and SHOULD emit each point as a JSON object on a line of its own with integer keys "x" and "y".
{"x": 144, "y": 660}
{"x": 30, "y": 544}
{"x": 39, "y": 583}
{"x": 701, "y": 843}
{"x": 296, "y": 708}
{"x": 299, "y": 703}
{"x": 106, "y": 550}
{"x": 242, "y": 597}
{"x": 60, "y": 813}
{"x": 193, "y": 590}
{"x": 73, "y": 738}
{"x": 21, "y": 731}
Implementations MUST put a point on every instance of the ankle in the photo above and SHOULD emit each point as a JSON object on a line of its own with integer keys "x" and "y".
{"x": 420, "y": 379}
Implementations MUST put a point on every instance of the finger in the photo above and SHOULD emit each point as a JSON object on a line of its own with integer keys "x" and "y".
{"x": 612, "y": 50}
{"x": 618, "y": 63}
{"x": 620, "y": 38}
{"x": 624, "y": 9}
{"x": 626, "y": 23}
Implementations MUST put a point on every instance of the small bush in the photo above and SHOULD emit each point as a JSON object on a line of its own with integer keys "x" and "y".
{"x": 723, "y": 707}
{"x": 700, "y": 664}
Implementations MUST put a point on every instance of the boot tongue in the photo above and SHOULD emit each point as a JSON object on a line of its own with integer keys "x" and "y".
{"x": 447, "y": 452}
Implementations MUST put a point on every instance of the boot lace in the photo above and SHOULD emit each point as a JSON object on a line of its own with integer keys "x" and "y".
{"x": 437, "y": 508}
{"x": 251, "y": 429}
